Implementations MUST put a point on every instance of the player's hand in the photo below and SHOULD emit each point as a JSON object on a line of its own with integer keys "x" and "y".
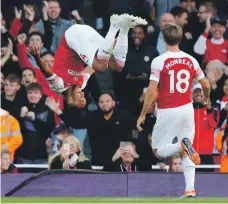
{"x": 21, "y": 38}
{"x": 35, "y": 50}
{"x": 52, "y": 104}
{"x": 45, "y": 11}
{"x": 18, "y": 13}
{"x": 140, "y": 121}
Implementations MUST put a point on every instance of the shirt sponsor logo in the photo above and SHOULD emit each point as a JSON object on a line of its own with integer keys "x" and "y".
{"x": 73, "y": 72}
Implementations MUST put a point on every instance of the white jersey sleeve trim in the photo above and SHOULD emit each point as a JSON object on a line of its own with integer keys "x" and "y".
{"x": 156, "y": 68}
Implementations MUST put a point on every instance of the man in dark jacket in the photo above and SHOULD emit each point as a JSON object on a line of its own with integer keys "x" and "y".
{"x": 129, "y": 84}
{"x": 106, "y": 127}
{"x": 37, "y": 124}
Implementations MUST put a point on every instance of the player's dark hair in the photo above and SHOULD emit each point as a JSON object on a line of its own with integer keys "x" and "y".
{"x": 178, "y": 11}
{"x": 30, "y": 69}
{"x": 34, "y": 87}
{"x": 36, "y": 33}
{"x": 172, "y": 34}
{"x": 13, "y": 78}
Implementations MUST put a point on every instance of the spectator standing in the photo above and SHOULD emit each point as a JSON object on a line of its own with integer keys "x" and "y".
{"x": 8, "y": 62}
{"x": 14, "y": 97}
{"x": 205, "y": 125}
{"x": 37, "y": 124}
{"x": 31, "y": 73}
{"x": 217, "y": 47}
{"x": 164, "y": 20}
{"x": 193, "y": 20}
{"x": 135, "y": 74}
{"x": 106, "y": 127}
{"x": 11, "y": 138}
{"x": 206, "y": 11}
{"x": 164, "y": 6}
{"x": 181, "y": 15}
{"x": 52, "y": 24}
{"x": 222, "y": 146}
{"x": 216, "y": 73}
{"x": 6, "y": 163}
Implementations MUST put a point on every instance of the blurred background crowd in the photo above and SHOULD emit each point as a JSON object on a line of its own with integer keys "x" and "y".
{"x": 104, "y": 132}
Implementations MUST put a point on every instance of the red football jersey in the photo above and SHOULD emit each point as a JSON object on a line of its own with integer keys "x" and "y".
{"x": 174, "y": 71}
{"x": 68, "y": 65}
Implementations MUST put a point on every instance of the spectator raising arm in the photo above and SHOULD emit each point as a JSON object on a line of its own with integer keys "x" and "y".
{"x": 9, "y": 52}
{"x": 200, "y": 45}
{"x": 47, "y": 72}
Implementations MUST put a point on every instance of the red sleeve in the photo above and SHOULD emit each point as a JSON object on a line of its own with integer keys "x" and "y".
{"x": 23, "y": 56}
{"x": 46, "y": 89}
{"x": 205, "y": 34}
{"x": 15, "y": 27}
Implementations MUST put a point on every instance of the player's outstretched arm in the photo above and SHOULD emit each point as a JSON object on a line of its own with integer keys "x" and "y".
{"x": 150, "y": 98}
{"x": 47, "y": 72}
{"x": 206, "y": 87}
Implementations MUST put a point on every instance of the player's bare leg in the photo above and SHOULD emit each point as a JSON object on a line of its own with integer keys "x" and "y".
{"x": 123, "y": 23}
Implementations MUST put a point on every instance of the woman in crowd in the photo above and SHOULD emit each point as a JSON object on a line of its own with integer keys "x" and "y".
{"x": 70, "y": 156}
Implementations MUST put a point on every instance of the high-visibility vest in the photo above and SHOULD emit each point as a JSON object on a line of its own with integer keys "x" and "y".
{"x": 222, "y": 148}
{"x": 11, "y": 137}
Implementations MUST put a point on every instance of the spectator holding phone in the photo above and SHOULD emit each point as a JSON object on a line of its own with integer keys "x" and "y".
{"x": 70, "y": 156}
{"x": 125, "y": 159}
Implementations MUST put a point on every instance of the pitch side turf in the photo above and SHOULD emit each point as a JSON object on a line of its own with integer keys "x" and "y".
{"x": 109, "y": 200}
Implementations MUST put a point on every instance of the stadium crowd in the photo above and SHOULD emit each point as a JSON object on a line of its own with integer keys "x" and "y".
{"x": 37, "y": 126}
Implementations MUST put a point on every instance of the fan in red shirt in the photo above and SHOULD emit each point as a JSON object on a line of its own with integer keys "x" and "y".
{"x": 217, "y": 46}
{"x": 171, "y": 77}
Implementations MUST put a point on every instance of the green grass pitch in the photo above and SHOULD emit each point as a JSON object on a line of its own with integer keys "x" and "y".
{"x": 109, "y": 200}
